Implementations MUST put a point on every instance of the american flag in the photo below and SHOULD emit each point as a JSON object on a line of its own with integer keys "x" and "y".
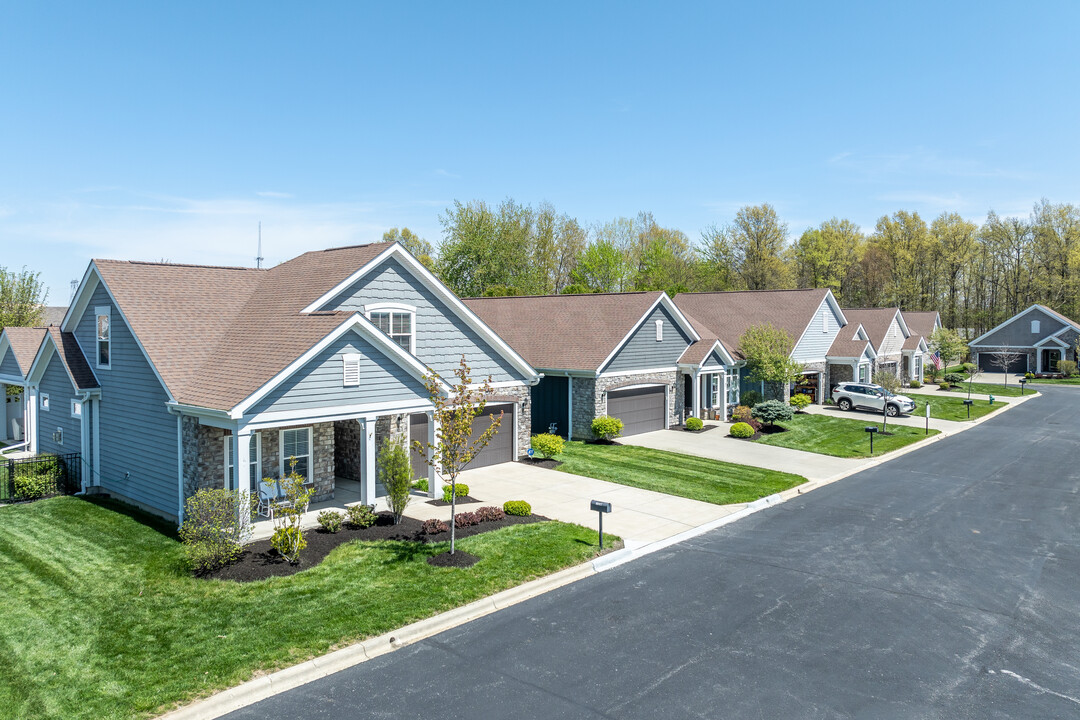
{"x": 936, "y": 359}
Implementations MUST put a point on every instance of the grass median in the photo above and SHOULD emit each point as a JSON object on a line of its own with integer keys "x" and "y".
{"x": 102, "y": 621}
{"x": 688, "y": 476}
{"x": 841, "y": 437}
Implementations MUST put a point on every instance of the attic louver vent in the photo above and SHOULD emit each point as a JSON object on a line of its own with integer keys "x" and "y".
{"x": 351, "y": 370}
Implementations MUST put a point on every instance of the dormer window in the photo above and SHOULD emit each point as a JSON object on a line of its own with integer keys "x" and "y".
{"x": 659, "y": 331}
{"x": 396, "y": 321}
{"x": 350, "y": 364}
{"x": 1035, "y": 327}
{"x": 103, "y": 326}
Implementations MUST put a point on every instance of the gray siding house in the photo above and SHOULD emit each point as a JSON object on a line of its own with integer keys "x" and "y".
{"x": 1036, "y": 339}
{"x": 171, "y": 378}
{"x": 634, "y": 356}
{"x": 899, "y": 349}
{"x": 18, "y": 345}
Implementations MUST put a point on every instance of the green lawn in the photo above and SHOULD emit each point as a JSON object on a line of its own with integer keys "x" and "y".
{"x": 841, "y": 437}
{"x": 1056, "y": 381}
{"x": 674, "y": 473}
{"x": 101, "y": 621}
{"x": 948, "y": 407}
{"x": 1013, "y": 390}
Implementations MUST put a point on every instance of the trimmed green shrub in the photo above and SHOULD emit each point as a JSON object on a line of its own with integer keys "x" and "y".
{"x": 331, "y": 520}
{"x": 395, "y": 471}
{"x": 801, "y": 401}
{"x": 517, "y": 507}
{"x": 420, "y": 484}
{"x": 771, "y": 412}
{"x": 606, "y": 427}
{"x": 750, "y": 398}
{"x": 693, "y": 423}
{"x": 361, "y": 516}
{"x": 37, "y": 479}
{"x": 547, "y": 445}
{"x": 915, "y": 384}
{"x": 460, "y": 490}
{"x": 954, "y": 378}
{"x": 1029, "y": 375}
{"x": 433, "y": 526}
{"x": 743, "y": 414}
{"x": 288, "y": 538}
{"x": 212, "y": 533}
{"x": 969, "y": 367}
{"x": 741, "y": 430}
{"x": 489, "y": 513}
{"x": 944, "y": 384}
{"x": 1067, "y": 367}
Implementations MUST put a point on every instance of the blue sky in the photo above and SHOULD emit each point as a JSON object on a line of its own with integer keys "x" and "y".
{"x": 167, "y": 131}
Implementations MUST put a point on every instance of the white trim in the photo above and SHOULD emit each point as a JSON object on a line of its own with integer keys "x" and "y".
{"x": 1036, "y": 327}
{"x": 97, "y": 451}
{"x": 659, "y": 323}
{"x": 635, "y": 387}
{"x": 724, "y": 355}
{"x": 1016, "y": 317}
{"x": 668, "y": 303}
{"x": 76, "y": 402}
{"x": 614, "y": 373}
{"x": 363, "y": 327}
{"x": 380, "y": 306}
{"x": 179, "y": 466}
{"x": 11, "y": 380}
{"x": 84, "y": 447}
{"x": 391, "y": 312}
{"x": 43, "y": 402}
{"x": 99, "y": 311}
{"x": 1053, "y": 337}
{"x": 82, "y": 301}
{"x": 229, "y": 451}
{"x": 310, "y": 453}
{"x": 350, "y": 369}
{"x": 330, "y": 414}
{"x": 436, "y": 286}
{"x": 499, "y": 385}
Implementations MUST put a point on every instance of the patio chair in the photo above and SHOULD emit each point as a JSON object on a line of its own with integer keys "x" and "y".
{"x": 269, "y": 495}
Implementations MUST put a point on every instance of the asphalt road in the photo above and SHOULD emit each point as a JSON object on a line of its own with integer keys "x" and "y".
{"x": 944, "y": 584}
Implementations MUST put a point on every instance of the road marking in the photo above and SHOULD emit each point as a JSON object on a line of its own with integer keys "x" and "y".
{"x": 1040, "y": 688}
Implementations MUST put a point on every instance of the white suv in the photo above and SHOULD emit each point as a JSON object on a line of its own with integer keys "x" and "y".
{"x": 871, "y": 397}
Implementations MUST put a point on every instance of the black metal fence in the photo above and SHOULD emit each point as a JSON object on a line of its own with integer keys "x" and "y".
{"x": 40, "y": 476}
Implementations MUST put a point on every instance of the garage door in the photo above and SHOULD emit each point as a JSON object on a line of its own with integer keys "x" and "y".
{"x": 641, "y": 409}
{"x": 986, "y": 363}
{"x": 501, "y": 447}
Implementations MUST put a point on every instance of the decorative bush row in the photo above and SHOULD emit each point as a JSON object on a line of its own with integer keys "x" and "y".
{"x": 435, "y": 526}
{"x": 743, "y": 414}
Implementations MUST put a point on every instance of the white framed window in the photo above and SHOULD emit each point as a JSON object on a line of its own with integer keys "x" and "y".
{"x": 255, "y": 459}
{"x": 58, "y": 436}
{"x": 396, "y": 321}
{"x": 714, "y": 390}
{"x": 76, "y": 408}
{"x": 1035, "y": 326}
{"x": 295, "y": 444}
{"x": 350, "y": 369}
{"x": 659, "y": 330}
{"x": 733, "y": 387}
{"x": 43, "y": 401}
{"x": 103, "y": 330}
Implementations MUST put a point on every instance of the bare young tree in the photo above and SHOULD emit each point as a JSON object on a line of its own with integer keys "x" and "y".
{"x": 1004, "y": 358}
{"x": 455, "y": 445}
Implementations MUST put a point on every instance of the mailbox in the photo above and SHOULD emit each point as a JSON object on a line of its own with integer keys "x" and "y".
{"x": 600, "y": 506}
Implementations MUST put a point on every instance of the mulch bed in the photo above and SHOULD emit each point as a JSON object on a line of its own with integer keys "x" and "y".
{"x": 463, "y": 500}
{"x": 459, "y": 559}
{"x": 603, "y": 442}
{"x": 260, "y": 561}
{"x": 706, "y": 428}
{"x": 765, "y": 430}
{"x": 547, "y": 463}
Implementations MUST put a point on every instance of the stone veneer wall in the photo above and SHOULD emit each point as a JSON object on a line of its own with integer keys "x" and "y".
{"x": 590, "y": 397}
{"x": 818, "y": 367}
{"x": 523, "y": 394}
{"x": 838, "y": 373}
{"x": 349, "y": 449}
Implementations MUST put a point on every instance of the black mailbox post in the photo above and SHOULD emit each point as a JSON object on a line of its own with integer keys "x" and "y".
{"x": 871, "y": 429}
{"x": 600, "y": 507}
{"x": 967, "y": 404}
{"x": 1023, "y": 382}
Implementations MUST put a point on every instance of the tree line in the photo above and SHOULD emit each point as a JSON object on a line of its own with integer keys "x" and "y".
{"x": 975, "y": 275}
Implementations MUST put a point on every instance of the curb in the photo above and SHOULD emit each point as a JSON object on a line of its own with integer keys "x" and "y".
{"x": 266, "y": 686}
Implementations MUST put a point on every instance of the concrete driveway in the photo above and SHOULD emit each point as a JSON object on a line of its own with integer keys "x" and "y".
{"x": 717, "y": 445}
{"x": 638, "y": 516}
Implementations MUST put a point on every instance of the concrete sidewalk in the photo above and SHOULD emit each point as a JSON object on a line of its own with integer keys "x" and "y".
{"x": 638, "y": 516}
{"x": 718, "y": 445}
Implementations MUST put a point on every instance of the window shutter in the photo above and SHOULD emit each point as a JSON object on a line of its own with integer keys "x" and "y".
{"x": 351, "y": 370}
{"x": 659, "y": 331}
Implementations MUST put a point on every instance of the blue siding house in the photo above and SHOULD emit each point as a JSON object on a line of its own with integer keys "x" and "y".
{"x": 170, "y": 378}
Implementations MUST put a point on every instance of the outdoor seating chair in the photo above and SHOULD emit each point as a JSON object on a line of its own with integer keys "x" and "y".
{"x": 269, "y": 496}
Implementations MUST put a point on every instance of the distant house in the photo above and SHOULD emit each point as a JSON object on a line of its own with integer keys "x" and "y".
{"x": 18, "y": 346}
{"x": 898, "y": 349}
{"x": 851, "y": 356}
{"x": 811, "y": 317}
{"x": 634, "y": 356}
{"x": 1038, "y": 337}
{"x": 170, "y": 378}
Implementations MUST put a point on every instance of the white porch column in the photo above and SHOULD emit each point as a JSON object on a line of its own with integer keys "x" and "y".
{"x": 432, "y": 477}
{"x": 5, "y": 426}
{"x": 30, "y": 411}
{"x": 367, "y": 485}
{"x": 855, "y": 372}
{"x": 695, "y": 404}
{"x": 242, "y": 471}
{"x": 723, "y": 393}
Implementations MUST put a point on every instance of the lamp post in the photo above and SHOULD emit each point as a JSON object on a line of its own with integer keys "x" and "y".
{"x": 871, "y": 429}
{"x": 600, "y": 507}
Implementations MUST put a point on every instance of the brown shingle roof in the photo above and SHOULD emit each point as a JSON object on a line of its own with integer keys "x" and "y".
{"x": 848, "y": 344}
{"x": 729, "y": 314}
{"x": 54, "y": 314}
{"x": 1062, "y": 318}
{"x": 217, "y": 334}
{"x": 568, "y": 332}
{"x": 921, "y": 322}
{"x": 912, "y": 343}
{"x": 24, "y": 343}
{"x": 875, "y": 321}
{"x": 71, "y": 355}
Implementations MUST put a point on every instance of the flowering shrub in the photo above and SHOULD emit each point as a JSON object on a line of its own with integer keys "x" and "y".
{"x": 465, "y": 519}
{"x": 489, "y": 514}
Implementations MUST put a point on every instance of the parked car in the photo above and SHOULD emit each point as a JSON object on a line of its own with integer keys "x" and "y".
{"x": 871, "y": 397}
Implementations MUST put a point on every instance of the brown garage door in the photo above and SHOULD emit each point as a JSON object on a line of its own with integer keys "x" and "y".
{"x": 641, "y": 409}
{"x": 501, "y": 447}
